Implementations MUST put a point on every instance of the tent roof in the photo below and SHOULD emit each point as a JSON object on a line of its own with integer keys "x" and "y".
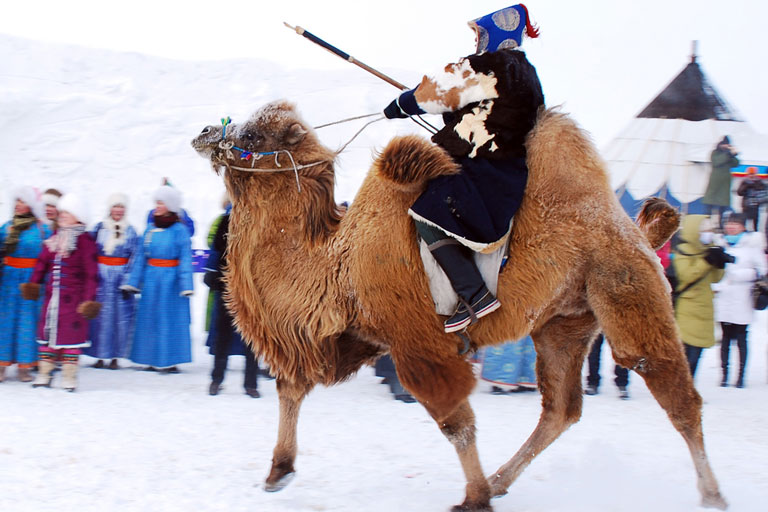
{"x": 689, "y": 96}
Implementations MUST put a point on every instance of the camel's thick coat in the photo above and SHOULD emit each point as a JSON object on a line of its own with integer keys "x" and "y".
{"x": 318, "y": 296}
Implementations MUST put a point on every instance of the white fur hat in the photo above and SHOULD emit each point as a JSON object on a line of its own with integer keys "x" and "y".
{"x": 170, "y": 197}
{"x": 75, "y": 205}
{"x": 115, "y": 199}
{"x": 31, "y": 196}
{"x": 51, "y": 197}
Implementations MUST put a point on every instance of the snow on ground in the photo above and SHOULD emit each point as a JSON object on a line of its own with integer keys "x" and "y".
{"x": 99, "y": 121}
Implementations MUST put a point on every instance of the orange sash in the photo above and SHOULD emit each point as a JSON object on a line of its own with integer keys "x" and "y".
{"x": 112, "y": 260}
{"x": 155, "y": 262}
{"x": 20, "y": 262}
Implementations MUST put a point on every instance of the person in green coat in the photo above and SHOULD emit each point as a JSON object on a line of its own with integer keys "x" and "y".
{"x": 697, "y": 264}
{"x": 718, "y": 194}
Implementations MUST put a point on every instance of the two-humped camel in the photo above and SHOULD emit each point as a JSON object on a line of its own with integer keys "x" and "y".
{"x": 318, "y": 296}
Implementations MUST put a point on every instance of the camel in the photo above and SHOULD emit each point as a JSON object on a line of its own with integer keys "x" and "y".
{"x": 318, "y": 295}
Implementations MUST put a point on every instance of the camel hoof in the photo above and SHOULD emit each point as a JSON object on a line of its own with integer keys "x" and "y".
{"x": 714, "y": 501}
{"x": 280, "y": 484}
{"x": 472, "y": 507}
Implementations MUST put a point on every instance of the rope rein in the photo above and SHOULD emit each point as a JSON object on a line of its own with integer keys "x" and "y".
{"x": 253, "y": 157}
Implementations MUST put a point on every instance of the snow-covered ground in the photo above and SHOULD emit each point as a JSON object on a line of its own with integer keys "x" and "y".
{"x": 97, "y": 122}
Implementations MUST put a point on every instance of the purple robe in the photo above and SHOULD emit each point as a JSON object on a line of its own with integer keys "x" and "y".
{"x": 70, "y": 281}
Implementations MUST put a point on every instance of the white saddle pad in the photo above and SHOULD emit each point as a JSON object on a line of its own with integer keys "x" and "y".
{"x": 442, "y": 292}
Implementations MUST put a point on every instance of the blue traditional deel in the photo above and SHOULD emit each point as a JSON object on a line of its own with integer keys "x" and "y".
{"x": 503, "y": 29}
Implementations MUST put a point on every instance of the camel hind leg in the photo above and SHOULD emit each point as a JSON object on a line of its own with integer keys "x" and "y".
{"x": 561, "y": 346}
{"x": 639, "y": 326}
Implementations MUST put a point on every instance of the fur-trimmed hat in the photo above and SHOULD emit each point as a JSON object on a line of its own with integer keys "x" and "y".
{"x": 115, "y": 199}
{"x": 170, "y": 197}
{"x": 503, "y": 29}
{"x": 51, "y": 197}
{"x": 31, "y": 196}
{"x": 74, "y": 205}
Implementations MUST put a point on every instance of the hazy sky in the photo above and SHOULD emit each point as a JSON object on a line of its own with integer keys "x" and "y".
{"x": 604, "y": 60}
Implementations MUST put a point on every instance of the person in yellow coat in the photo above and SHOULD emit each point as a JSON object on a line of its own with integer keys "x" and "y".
{"x": 697, "y": 264}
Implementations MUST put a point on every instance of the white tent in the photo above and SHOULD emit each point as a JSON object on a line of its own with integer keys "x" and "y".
{"x": 665, "y": 149}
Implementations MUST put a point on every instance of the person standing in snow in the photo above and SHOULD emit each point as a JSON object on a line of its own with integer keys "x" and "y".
{"x": 184, "y": 217}
{"x": 50, "y": 200}
{"x": 697, "y": 263}
{"x": 117, "y": 242}
{"x": 753, "y": 194}
{"x": 717, "y": 198}
{"x": 510, "y": 367}
{"x": 68, "y": 267}
{"x": 162, "y": 273}
{"x": 733, "y": 293}
{"x": 223, "y": 338}
{"x": 21, "y": 241}
{"x": 489, "y": 101}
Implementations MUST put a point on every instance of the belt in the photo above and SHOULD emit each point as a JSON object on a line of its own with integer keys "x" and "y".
{"x": 156, "y": 262}
{"x": 112, "y": 260}
{"x": 20, "y": 262}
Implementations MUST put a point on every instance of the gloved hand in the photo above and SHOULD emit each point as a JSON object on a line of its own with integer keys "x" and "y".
{"x": 213, "y": 281}
{"x": 127, "y": 291}
{"x": 89, "y": 309}
{"x": 717, "y": 257}
{"x": 30, "y": 291}
{"x": 126, "y": 294}
{"x": 393, "y": 111}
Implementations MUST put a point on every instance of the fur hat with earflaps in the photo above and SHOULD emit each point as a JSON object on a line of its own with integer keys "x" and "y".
{"x": 31, "y": 197}
{"x": 74, "y": 205}
{"x": 170, "y": 197}
{"x": 116, "y": 199}
{"x": 503, "y": 29}
{"x": 51, "y": 197}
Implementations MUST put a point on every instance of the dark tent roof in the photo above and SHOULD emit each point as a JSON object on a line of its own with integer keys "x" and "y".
{"x": 691, "y": 97}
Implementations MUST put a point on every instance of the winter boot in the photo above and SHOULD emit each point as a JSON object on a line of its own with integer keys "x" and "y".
{"x": 623, "y": 393}
{"x": 25, "y": 375}
{"x": 44, "y": 369}
{"x": 740, "y": 381}
{"x": 69, "y": 376}
{"x": 2, "y": 373}
{"x": 724, "y": 381}
{"x": 475, "y": 301}
{"x": 591, "y": 390}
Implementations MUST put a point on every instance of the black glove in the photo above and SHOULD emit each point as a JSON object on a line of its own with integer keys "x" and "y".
{"x": 126, "y": 294}
{"x": 717, "y": 257}
{"x": 393, "y": 111}
{"x": 213, "y": 281}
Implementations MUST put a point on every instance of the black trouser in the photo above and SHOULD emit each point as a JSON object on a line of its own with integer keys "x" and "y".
{"x": 385, "y": 367}
{"x": 731, "y": 332}
{"x": 692, "y": 354}
{"x": 752, "y": 214}
{"x": 593, "y": 379}
{"x": 223, "y": 342}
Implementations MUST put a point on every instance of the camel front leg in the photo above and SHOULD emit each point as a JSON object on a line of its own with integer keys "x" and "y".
{"x": 291, "y": 395}
{"x": 459, "y": 428}
{"x": 561, "y": 346}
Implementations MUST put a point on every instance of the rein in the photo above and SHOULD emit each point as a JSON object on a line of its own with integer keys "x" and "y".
{"x": 253, "y": 157}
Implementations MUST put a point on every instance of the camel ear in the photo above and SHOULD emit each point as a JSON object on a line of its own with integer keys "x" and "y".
{"x": 295, "y": 133}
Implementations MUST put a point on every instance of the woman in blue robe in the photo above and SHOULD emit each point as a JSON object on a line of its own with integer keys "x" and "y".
{"x": 21, "y": 241}
{"x": 111, "y": 331}
{"x": 162, "y": 274}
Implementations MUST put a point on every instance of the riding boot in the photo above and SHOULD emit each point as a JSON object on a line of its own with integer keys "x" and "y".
{"x": 475, "y": 301}
{"x": 44, "y": 369}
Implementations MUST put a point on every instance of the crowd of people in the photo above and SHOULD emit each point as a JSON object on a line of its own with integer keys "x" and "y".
{"x": 105, "y": 291}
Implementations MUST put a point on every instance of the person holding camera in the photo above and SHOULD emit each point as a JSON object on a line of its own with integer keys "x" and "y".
{"x": 697, "y": 263}
{"x": 733, "y": 294}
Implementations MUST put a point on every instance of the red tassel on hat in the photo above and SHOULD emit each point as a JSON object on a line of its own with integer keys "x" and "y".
{"x": 530, "y": 30}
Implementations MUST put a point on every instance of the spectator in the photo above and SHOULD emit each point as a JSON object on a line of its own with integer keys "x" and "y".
{"x": 68, "y": 267}
{"x": 753, "y": 194}
{"x": 696, "y": 264}
{"x": 718, "y": 194}
{"x": 510, "y": 367}
{"x": 593, "y": 378}
{"x": 50, "y": 200}
{"x": 184, "y": 217}
{"x": 226, "y": 205}
{"x": 733, "y": 294}
{"x": 117, "y": 242}
{"x": 21, "y": 240}
{"x": 223, "y": 338}
{"x": 162, "y": 273}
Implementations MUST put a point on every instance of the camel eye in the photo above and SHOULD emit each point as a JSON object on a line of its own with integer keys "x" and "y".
{"x": 205, "y": 130}
{"x": 249, "y": 136}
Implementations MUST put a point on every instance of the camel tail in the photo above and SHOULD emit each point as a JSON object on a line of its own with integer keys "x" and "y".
{"x": 658, "y": 220}
{"x": 409, "y": 161}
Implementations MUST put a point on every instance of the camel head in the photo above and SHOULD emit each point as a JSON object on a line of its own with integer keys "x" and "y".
{"x": 275, "y": 157}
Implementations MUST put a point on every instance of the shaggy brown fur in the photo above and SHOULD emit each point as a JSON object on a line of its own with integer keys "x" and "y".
{"x": 318, "y": 297}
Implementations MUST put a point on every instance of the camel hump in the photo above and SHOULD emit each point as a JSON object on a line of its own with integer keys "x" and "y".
{"x": 410, "y": 161}
{"x": 658, "y": 220}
